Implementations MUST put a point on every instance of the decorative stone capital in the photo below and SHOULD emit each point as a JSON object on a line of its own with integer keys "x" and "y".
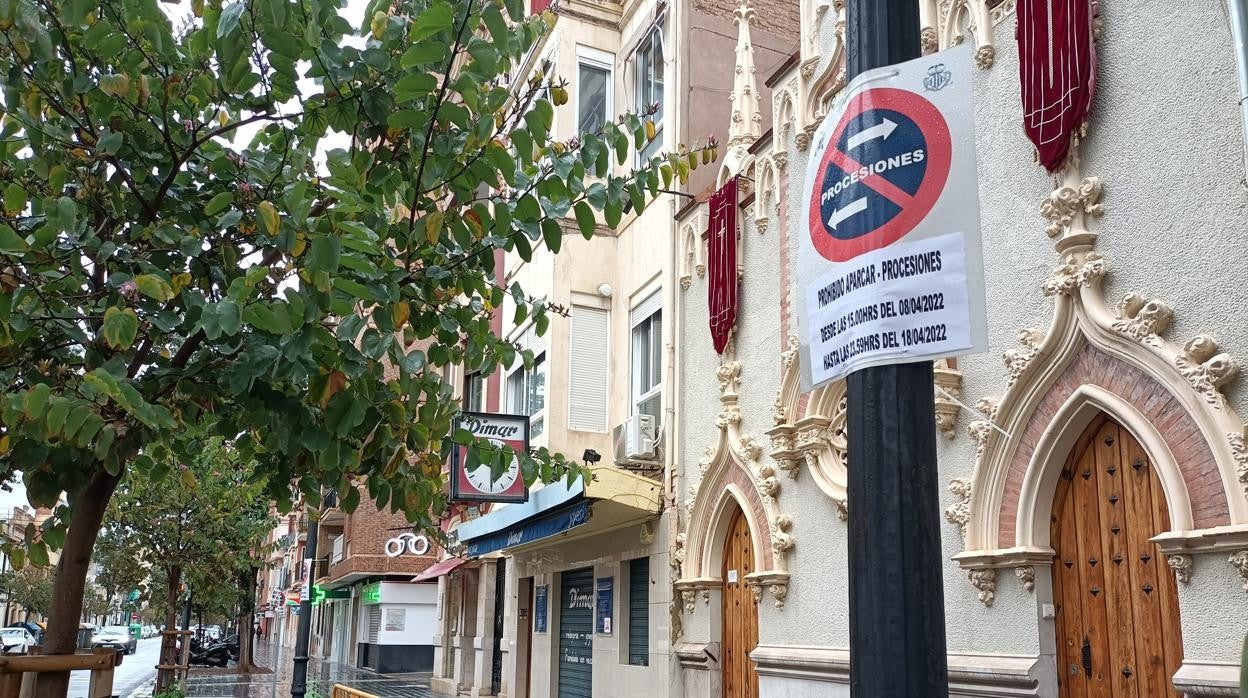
{"x": 1239, "y": 560}
{"x": 985, "y": 581}
{"x": 1027, "y": 577}
{"x": 950, "y": 381}
{"x": 776, "y": 583}
{"x": 1182, "y": 566}
{"x": 1078, "y": 269}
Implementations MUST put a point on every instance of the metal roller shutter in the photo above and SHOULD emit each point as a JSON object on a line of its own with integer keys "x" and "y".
{"x": 639, "y": 611}
{"x": 576, "y": 634}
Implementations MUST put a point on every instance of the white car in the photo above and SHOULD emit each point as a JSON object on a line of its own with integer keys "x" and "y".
{"x": 114, "y": 637}
{"x": 16, "y": 640}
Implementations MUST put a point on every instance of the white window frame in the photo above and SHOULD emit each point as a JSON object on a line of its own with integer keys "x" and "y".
{"x": 641, "y": 313}
{"x": 595, "y": 58}
{"x": 638, "y": 103}
{"x": 469, "y": 378}
{"x": 537, "y": 420}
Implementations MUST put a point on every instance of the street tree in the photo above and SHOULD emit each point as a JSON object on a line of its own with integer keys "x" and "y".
{"x": 250, "y": 212}
{"x": 203, "y": 522}
{"x": 118, "y": 570}
{"x": 96, "y": 603}
{"x": 29, "y": 588}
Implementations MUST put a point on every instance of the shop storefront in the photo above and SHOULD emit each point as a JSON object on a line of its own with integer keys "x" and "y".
{"x": 395, "y": 627}
{"x": 567, "y": 597}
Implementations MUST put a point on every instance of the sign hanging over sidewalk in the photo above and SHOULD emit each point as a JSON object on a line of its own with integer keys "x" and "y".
{"x": 890, "y": 255}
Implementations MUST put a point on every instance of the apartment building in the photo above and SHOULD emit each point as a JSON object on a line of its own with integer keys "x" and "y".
{"x": 569, "y": 594}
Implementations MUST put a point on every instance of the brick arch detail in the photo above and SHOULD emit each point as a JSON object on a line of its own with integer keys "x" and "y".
{"x": 1182, "y": 435}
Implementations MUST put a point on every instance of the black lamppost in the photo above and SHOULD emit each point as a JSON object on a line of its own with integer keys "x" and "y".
{"x": 896, "y": 592}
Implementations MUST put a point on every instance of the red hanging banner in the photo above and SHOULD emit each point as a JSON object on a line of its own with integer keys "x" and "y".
{"x": 1057, "y": 68}
{"x": 721, "y": 265}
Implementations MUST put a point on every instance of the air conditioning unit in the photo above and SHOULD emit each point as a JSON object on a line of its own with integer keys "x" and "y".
{"x": 636, "y": 440}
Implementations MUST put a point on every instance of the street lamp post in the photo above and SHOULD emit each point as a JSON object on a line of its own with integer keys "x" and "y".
{"x": 896, "y": 593}
{"x": 299, "y": 677}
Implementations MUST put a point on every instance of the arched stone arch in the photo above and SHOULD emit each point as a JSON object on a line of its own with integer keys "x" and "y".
{"x": 692, "y": 257}
{"x": 784, "y": 113}
{"x": 1096, "y": 358}
{"x": 731, "y": 477}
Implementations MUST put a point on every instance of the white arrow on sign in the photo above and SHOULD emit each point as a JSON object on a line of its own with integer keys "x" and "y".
{"x": 877, "y": 131}
{"x": 839, "y": 215}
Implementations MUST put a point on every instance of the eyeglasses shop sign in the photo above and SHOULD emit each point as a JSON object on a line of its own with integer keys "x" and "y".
{"x": 407, "y": 542}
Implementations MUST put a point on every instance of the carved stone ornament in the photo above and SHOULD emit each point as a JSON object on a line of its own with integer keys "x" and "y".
{"x": 950, "y": 381}
{"x": 985, "y": 581}
{"x": 959, "y": 513}
{"x": 1239, "y": 560}
{"x": 1182, "y": 566}
{"x": 948, "y": 23}
{"x": 1088, "y": 360}
{"x": 1027, "y": 577}
{"x": 1206, "y": 369}
{"x": 1239, "y": 449}
{"x": 692, "y": 259}
{"x": 1064, "y": 204}
{"x": 689, "y": 597}
{"x": 814, "y": 428}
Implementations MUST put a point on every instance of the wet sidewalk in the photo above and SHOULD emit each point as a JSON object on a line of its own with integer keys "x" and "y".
{"x": 322, "y": 675}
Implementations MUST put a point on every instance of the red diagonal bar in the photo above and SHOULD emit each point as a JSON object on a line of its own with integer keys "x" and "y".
{"x": 881, "y": 185}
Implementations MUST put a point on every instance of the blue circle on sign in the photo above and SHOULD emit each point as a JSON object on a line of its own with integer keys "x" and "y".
{"x": 890, "y": 152}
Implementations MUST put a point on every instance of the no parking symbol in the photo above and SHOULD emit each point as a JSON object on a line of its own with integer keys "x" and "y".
{"x": 890, "y": 261}
{"x": 882, "y": 170}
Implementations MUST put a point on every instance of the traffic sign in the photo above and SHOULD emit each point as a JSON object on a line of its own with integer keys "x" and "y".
{"x": 890, "y": 244}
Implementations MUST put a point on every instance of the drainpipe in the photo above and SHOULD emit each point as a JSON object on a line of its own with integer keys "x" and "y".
{"x": 1238, "y": 15}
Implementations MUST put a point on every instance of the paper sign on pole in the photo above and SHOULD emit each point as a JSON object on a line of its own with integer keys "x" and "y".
{"x": 890, "y": 265}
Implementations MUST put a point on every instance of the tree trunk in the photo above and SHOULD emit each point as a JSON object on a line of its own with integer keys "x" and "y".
{"x": 246, "y": 620}
{"x": 71, "y": 578}
{"x": 165, "y": 678}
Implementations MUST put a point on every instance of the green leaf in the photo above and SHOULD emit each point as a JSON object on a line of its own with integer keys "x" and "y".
{"x": 552, "y": 233}
{"x": 10, "y": 241}
{"x": 218, "y": 203}
{"x": 14, "y": 199}
{"x": 414, "y": 85}
{"x": 228, "y": 317}
{"x": 35, "y": 399}
{"x": 120, "y": 328}
{"x": 154, "y": 287}
{"x": 611, "y": 213}
{"x": 496, "y": 25}
{"x": 229, "y": 20}
{"x": 406, "y": 118}
{"x": 585, "y": 219}
{"x": 425, "y": 52}
{"x": 57, "y": 414}
{"x": 111, "y": 142}
{"x": 438, "y": 17}
{"x": 38, "y": 554}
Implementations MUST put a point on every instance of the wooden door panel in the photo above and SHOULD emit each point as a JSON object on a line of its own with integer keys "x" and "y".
{"x": 1117, "y": 666}
{"x": 740, "y": 614}
{"x": 1112, "y": 589}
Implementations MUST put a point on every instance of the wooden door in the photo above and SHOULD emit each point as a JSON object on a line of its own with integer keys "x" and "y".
{"x": 1118, "y": 631}
{"x": 740, "y": 620}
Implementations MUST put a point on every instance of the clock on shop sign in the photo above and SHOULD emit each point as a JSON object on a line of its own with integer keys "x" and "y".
{"x": 479, "y": 484}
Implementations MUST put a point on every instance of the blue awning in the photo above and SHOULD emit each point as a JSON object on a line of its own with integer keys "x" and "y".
{"x": 553, "y": 523}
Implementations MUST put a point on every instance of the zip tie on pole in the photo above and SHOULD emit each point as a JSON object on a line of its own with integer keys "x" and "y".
{"x": 972, "y": 410}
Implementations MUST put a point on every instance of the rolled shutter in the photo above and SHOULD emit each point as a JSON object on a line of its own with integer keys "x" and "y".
{"x": 576, "y": 634}
{"x": 639, "y": 611}
{"x": 589, "y": 361}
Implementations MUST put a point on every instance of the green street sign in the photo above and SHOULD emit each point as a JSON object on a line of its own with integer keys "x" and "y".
{"x": 372, "y": 594}
{"x": 134, "y": 595}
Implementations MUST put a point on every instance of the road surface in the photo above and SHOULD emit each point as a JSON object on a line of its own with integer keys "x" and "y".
{"x": 135, "y": 670}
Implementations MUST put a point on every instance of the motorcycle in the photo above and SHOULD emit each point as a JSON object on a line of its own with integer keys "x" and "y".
{"x": 213, "y": 654}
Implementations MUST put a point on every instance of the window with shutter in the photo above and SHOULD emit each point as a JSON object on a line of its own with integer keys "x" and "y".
{"x": 646, "y": 320}
{"x": 639, "y": 611}
{"x": 576, "y": 634}
{"x": 589, "y": 365}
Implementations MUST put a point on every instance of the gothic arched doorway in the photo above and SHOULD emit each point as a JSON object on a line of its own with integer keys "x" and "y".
{"x": 1117, "y": 604}
{"x": 740, "y": 612}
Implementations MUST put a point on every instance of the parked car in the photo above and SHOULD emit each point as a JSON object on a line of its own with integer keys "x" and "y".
{"x": 16, "y": 640}
{"x": 33, "y": 629}
{"x": 116, "y": 637}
